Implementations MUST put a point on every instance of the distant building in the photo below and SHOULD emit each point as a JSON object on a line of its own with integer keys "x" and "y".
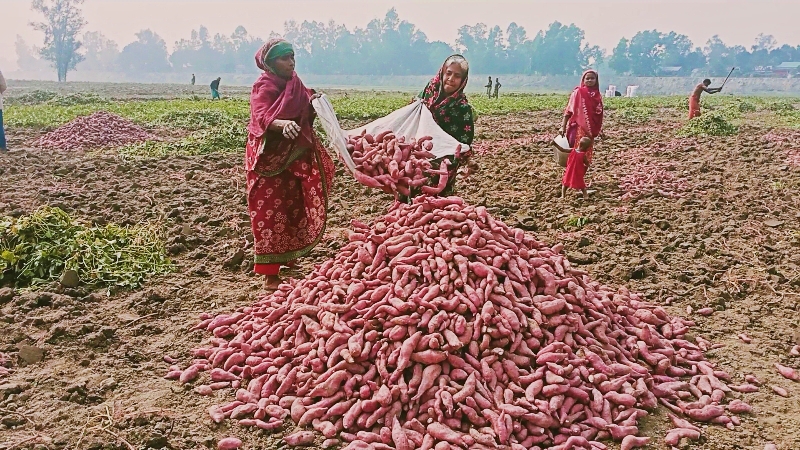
{"x": 786, "y": 69}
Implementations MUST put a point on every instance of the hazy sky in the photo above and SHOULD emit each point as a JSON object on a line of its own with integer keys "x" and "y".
{"x": 604, "y": 21}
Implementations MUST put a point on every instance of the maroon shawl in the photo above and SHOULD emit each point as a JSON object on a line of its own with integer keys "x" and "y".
{"x": 271, "y": 98}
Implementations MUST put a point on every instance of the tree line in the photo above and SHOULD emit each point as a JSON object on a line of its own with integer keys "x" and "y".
{"x": 388, "y": 46}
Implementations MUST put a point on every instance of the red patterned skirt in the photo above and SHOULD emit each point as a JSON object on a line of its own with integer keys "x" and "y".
{"x": 289, "y": 207}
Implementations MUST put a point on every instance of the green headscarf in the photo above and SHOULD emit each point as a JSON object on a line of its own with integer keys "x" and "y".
{"x": 282, "y": 48}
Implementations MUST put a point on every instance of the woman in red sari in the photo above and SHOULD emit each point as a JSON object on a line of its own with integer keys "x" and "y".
{"x": 583, "y": 121}
{"x": 289, "y": 173}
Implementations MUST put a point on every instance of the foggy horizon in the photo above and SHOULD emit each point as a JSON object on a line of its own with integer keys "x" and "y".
{"x": 605, "y": 22}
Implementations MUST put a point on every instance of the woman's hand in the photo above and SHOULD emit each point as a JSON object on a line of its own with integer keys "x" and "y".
{"x": 469, "y": 168}
{"x": 290, "y": 130}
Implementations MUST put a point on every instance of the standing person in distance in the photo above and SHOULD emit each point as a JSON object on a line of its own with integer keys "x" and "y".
{"x": 193, "y": 79}
{"x": 489, "y": 88}
{"x": 497, "y": 87}
{"x": 583, "y": 123}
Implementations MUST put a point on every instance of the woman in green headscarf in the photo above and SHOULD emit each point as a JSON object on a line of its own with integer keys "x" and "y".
{"x": 289, "y": 173}
{"x": 445, "y": 98}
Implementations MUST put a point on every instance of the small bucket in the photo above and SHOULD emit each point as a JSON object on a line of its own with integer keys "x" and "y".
{"x": 562, "y": 150}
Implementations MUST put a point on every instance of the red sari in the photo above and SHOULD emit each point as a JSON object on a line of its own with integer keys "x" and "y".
{"x": 586, "y": 120}
{"x": 288, "y": 181}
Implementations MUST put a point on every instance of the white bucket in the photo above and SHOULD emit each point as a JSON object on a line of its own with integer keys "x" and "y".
{"x": 562, "y": 142}
{"x": 562, "y": 150}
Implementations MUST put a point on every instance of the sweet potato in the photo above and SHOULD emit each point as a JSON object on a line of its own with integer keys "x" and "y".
{"x": 787, "y": 372}
{"x": 739, "y": 407}
{"x": 229, "y": 443}
{"x": 675, "y": 435}
{"x": 299, "y": 438}
{"x": 705, "y": 414}
{"x": 780, "y": 391}
{"x": 439, "y": 326}
{"x": 631, "y": 442}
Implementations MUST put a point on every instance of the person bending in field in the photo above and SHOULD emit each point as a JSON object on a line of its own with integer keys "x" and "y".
{"x": 583, "y": 122}
{"x": 694, "y": 99}
{"x": 215, "y": 88}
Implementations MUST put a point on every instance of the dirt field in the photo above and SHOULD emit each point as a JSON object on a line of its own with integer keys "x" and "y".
{"x": 731, "y": 242}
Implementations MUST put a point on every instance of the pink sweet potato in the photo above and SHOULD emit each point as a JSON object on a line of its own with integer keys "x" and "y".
{"x": 299, "y": 438}
{"x": 631, "y": 442}
{"x": 440, "y": 327}
{"x": 674, "y": 436}
{"x": 787, "y": 372}
{"x": 229, "y": 443}
{"x": 705, "y": 414}
{"x": 780, "y": 391}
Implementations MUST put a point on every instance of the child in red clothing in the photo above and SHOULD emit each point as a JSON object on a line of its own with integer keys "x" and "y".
{"x": 577, "y": 164}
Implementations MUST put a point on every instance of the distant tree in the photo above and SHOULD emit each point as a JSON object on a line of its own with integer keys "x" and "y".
{"x": 592, "y": 56}
{"x": 394, "y": 46}
{"x": 389, "y": 46}
{"x": 762, "y": 57}
{"x": 147, "y": 54}
{"x": 558, "y": 51}
{"x": 244, "y": 47}
{"x": 646, "y": 51}
{"x": 315, "y": 45}
{"x": 721, "y": 57}
{"x": 63, "y": 21}
{"x": 764, "y": 42}
{"x": 518, "y": 49}
{"x": 101, "y": 52}
{"x": 200, "y": 53}
{"x": 784, "y": 53}
{"x": 678, "y": 52}
{"x": 472, "y": 42}
{"x": 27, "y": 61}
{"x": 620, "y": 60}
{"x": 438, "y": 51}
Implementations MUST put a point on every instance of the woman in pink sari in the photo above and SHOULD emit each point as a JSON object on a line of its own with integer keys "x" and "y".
{"x": 289, "y": 173}
{"x": 583, "y": 121}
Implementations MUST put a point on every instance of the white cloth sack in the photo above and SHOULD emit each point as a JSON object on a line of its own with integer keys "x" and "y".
{"x": 337, "y": 136}
{"x": 412, "y": 121}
